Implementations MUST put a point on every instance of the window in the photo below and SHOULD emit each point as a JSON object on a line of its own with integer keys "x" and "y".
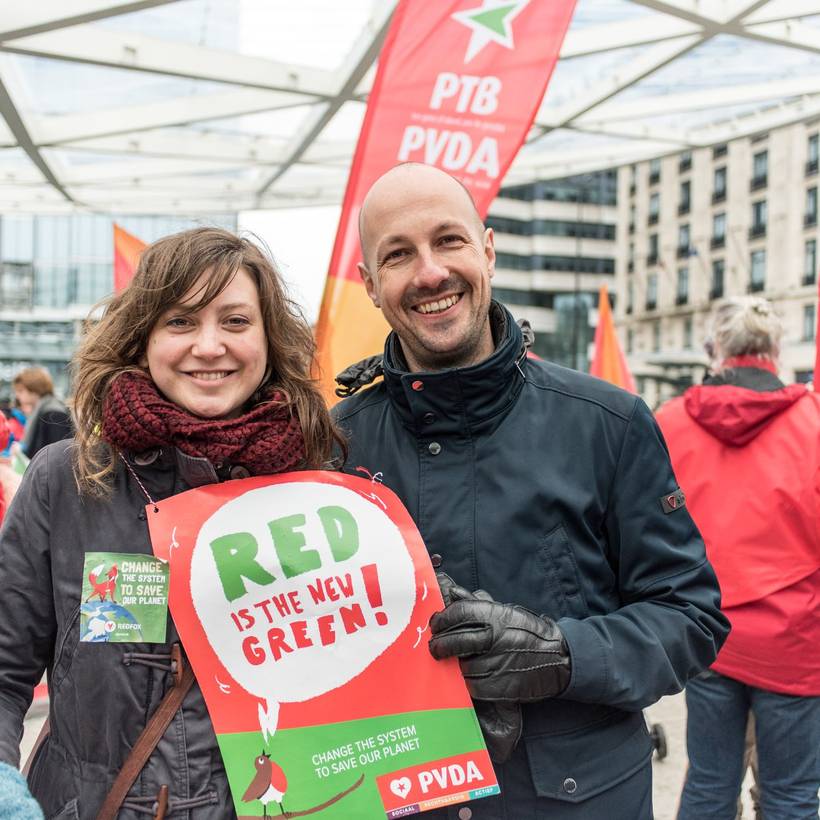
{"x": 719, "y": 184}
{"x": 632, "y": 218}
{"x": 652, "y": 257}
{"x": 656, "y": 336}
{"x": 757, "y": 270}
{"x": 718, "y": 267}
{"x": 683, "y": 240}
{"x": 760, "y": 169}
{"x": 809, "y": 312}
{"x": 654, "y": 208}
{"x": 682, "y": 294}
{"x": 630, "y": 339}
{"x": 687, "y": 333}
{"x": 630, "y": 295}
{"x": 630, "y": 262}
{"x": 652, "y": 291}
{"x": 812, "y": 154}
{"x": 654, "y": 171}
{"x": 810, "y": 262}
{"x": 684, "y": 202}
{"x": 719, "y": 230}
{"x": 760, "y": 213}
{"x": 685, "y": 161}
{"x": 811, "y": 207}
{"x": 720, "y": 151}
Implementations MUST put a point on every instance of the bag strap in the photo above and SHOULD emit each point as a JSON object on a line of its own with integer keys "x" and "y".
{"x": 150, "y": 736}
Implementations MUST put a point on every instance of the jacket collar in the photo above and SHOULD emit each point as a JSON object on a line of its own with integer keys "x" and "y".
{"x": 446, "y": 400}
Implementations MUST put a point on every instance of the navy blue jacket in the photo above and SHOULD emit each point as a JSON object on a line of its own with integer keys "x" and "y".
{"x": 545, "y": 487}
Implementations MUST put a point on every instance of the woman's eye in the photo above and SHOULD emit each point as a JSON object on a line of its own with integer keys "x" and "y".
{"x": 178, "y": 322}
{"x": 237, "y": 321}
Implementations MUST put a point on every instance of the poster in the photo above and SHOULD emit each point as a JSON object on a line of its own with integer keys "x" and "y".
{"x": 303, "y": 601}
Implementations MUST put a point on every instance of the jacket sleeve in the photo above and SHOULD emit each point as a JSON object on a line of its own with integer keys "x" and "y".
{"x": 669, "y": 626}
{"x": 27, "y": 619}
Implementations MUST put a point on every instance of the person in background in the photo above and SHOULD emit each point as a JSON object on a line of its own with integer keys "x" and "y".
{"x": 16, "y": 421}
{"x": 197, "y": 372}
{"x": 746, "y": 449}
{"x": 574, "y": 597}
{"x": 47, "y": 418}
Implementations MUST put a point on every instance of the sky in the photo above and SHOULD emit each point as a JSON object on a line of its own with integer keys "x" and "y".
{"x": 301, "y": 242}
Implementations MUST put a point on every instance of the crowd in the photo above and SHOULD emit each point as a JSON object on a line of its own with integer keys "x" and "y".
{"x": 589, "y": 562}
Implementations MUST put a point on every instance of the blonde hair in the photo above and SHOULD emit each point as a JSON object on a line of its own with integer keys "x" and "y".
{"x": 166, "y": 273}
{"x": 746, "y": 326}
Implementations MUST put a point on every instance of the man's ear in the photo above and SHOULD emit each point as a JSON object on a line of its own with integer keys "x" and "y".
{"x": 369, "y": 284}
{"x": 489, "y": 250}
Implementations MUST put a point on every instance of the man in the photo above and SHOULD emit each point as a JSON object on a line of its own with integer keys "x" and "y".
{"x": 546, "y": 493}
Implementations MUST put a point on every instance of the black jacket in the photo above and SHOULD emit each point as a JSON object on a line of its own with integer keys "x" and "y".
{"x": 545, "y": 487}
{"x": 101, "y": 696}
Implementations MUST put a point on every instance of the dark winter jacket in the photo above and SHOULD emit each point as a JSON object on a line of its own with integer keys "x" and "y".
{"x": 551, "y": 489}
{"x": 101, "y": 694}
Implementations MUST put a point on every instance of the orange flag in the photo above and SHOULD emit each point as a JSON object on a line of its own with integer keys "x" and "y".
{"x": 127, "y": 250}
{"x": 608, "y": 362}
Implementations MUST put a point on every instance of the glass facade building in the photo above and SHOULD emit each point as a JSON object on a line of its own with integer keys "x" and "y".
{"x": 53, "y": 270}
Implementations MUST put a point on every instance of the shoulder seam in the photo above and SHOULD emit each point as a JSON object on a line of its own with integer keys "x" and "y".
{"x": 588, "y": 399}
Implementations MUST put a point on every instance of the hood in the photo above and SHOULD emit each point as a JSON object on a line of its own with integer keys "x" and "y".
{"x": 735, "y": 415}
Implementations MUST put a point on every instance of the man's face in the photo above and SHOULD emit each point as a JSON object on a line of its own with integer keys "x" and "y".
{"x": 427, "y": 264}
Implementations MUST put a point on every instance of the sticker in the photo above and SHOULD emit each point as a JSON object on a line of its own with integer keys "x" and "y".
{"x": 673, "y": 501}
{"x": 124, "y": 598}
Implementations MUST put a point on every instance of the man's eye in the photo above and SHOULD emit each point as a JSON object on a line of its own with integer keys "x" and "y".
{"x": 394, "y": 255}
{"x": 451, "y": 239}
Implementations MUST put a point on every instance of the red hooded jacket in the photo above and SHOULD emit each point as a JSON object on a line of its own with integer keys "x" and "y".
{"x": 748, "y": 461}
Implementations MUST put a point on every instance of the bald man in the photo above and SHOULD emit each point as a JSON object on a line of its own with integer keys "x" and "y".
{"x": 577, "y": 586}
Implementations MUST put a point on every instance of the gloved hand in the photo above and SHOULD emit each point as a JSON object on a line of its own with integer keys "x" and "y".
{"x": 506, "y": 652}
{"x": 501, "y": 724}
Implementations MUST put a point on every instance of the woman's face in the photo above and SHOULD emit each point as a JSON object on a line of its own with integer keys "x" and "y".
{"x": 210, "y": 362}
{"x": 26, "y": 399}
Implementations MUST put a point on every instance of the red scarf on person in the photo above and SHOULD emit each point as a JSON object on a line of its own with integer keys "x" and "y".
{"x": 136, "y": 417}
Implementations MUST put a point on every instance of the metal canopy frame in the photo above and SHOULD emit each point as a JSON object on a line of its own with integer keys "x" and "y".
{"x": 636, "y": 79}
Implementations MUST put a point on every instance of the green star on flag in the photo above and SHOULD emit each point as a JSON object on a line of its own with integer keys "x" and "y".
{"x": 491, "y": 22}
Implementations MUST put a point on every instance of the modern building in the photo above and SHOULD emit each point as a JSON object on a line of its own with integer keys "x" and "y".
{"x": 53, "y": 270}
{"x": 699, "y": 226}
{"x": 555, "y": 246}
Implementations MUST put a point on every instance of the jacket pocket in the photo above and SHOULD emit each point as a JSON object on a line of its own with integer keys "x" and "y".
{"x": 561, "y": 570}
{"x": 70, "y": 811}
{"x": 577, "y": 765}
{"x": 65, "y": 651}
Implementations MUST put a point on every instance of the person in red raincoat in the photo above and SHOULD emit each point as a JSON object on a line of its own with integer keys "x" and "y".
{"x": 746, "y": 450}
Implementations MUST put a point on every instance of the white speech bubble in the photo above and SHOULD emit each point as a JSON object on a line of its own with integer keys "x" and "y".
{"x": 310, "y": 670}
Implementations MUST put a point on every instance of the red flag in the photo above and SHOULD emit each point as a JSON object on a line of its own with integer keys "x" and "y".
{"x": 458, "y": 85}
{"x": 608, "y": 362}
{"x": 816, "y": 375}
{"x": 127, "y": 250}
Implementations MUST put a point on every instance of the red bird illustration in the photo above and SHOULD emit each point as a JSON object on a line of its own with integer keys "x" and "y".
{"x": 103, "y": 588}
{"x": 268, "y": 784}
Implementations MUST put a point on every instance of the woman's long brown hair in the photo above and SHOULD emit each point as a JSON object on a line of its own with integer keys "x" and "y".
{"x": 167, "y": 272}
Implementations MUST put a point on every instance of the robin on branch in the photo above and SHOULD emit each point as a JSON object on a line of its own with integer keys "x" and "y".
{"x": 269, "y": 784}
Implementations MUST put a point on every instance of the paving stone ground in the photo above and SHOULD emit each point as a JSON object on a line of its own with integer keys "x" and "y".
{"x": 668, "y": 774}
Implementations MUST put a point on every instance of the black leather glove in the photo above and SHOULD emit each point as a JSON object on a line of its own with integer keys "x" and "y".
{"x": 506, "y": 652}
{"x": 501, "y": 724}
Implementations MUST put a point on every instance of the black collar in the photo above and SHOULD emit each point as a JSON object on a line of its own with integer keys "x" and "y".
{"x": 447, "y": 400}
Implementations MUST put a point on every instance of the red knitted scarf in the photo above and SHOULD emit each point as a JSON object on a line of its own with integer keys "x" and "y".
{"x": 267, "y": 439}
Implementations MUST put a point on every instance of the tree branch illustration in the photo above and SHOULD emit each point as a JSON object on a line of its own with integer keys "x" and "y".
{"x": 313, "y": 809}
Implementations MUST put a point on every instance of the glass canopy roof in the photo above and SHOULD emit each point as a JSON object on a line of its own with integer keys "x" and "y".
{"x": 190, "y": 106}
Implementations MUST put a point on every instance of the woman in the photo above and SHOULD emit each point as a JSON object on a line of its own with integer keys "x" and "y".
{"x": 48, "y": 419}
{"x": 196, "y": 373}
{"x": 746, "y": 449}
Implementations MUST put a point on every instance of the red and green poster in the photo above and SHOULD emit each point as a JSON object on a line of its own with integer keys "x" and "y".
{"x": 304, "y": 602}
